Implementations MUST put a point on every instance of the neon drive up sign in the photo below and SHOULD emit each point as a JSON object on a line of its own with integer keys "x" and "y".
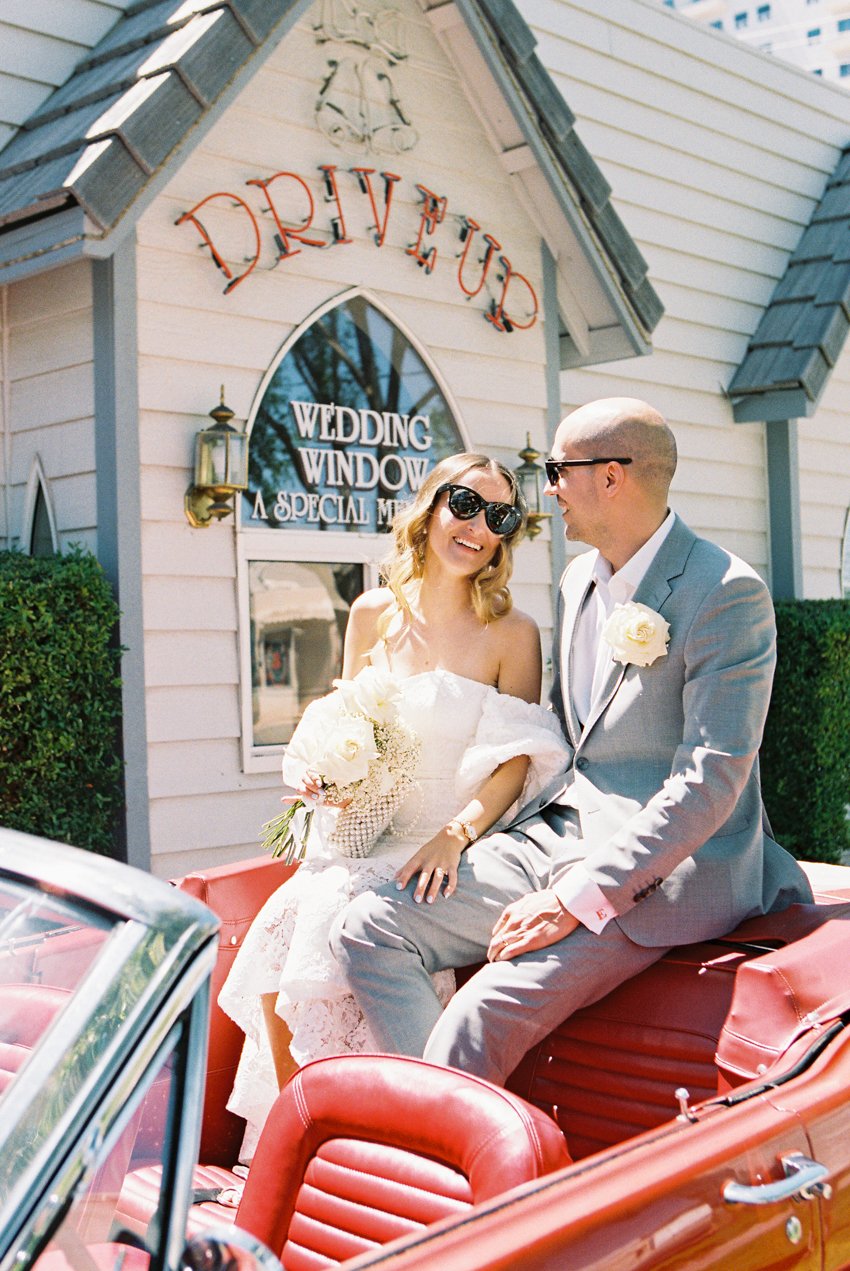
{"x": 511, "y": 301}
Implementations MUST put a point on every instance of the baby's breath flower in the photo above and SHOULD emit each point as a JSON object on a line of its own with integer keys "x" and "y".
{"x": 363, "y": 754}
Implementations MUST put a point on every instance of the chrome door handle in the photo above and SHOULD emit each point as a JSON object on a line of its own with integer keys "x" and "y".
{"x": 804, "y": 1180}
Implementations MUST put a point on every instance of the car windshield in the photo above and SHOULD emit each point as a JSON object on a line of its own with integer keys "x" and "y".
{"x": 103, "y": 974}
{"x": 47, "y": 947}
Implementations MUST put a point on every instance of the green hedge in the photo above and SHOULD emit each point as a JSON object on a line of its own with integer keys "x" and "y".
{"x": 60, "y": 700}
{"x": 805, "y": 756}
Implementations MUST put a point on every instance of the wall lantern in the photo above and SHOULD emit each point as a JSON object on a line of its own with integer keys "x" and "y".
{"x": 530, "y": 477}
{"x": 221, "y": 469}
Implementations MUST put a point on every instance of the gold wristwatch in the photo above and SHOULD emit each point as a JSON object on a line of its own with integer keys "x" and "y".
{"x": 465, "y": 827}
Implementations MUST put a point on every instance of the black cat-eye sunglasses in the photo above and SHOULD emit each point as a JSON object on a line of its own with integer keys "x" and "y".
{"x": 500, "y": 518}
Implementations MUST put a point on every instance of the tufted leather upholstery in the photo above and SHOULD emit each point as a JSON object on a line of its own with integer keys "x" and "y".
{"x": 141, "y": 1192}
{"x": 360, "y": 1149}
{"x": 706, "y": 1016}
{"x": 610, "y": 1071}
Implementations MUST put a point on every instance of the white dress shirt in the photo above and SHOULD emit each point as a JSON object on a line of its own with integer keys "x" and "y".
{"x": 592, "y": 659}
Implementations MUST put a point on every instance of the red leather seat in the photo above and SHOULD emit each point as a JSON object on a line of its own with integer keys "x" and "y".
{"x": 789, "y": 996}
{"x": 706, "y": 1016}
{"x": 26, "y": 1012}
{"x": 611, "y": 1070}
{"x": 361, "y": 1149}
{"x": 142, "y": 1188}
{"x": 235, "y": 893}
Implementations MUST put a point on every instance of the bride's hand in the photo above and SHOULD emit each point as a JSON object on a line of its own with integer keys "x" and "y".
{"x": 312, "y": 792}
{"x": 435, "y": 863}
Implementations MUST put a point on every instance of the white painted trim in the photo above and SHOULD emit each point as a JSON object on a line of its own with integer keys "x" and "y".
{"x": 36, "y": 481}
{"x": 333, "y": 551}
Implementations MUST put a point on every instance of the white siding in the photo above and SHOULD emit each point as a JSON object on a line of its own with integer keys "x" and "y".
{"x": 48, "y": 400}
{"x": 717, "y": 155}
{"x": 41, "y": 41}
{"x": 204, "y": 808}
{"x": 824, "y": 455}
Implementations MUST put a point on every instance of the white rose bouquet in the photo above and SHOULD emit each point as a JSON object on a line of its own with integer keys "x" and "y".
{"x": 363, "y": 755}
{"x": 636, "y": 634}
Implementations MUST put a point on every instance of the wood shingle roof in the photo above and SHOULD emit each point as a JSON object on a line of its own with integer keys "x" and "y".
{"x": 133, "y": 100}
{"x": 803, "y": 329}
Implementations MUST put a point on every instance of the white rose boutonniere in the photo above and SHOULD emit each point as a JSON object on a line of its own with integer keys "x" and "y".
{"x": 636, "y": 634}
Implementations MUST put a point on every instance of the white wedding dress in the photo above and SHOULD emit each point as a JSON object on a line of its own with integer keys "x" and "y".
{"x": 467, "y": 729}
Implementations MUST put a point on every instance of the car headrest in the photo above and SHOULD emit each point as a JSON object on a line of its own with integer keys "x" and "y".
{"x": 392, "y": 1128}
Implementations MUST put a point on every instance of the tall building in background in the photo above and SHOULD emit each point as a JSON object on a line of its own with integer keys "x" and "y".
{"x": 813, "y": 34}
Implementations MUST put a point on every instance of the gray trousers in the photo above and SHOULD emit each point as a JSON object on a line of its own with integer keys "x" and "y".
{"x": 388, "y": 946}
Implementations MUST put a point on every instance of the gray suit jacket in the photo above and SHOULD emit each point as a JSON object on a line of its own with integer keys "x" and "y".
{"x": 665, "y": 775}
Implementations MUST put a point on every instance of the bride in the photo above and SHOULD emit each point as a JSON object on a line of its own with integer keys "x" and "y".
{"x": 469, "y": 669}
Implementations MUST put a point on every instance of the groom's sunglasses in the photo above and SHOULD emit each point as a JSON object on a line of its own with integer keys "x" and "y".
{"x": 554, "y": 466}
{"x": 500, "y": 518}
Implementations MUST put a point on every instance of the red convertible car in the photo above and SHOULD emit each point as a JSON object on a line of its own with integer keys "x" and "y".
{"x": 698, "y": 1117}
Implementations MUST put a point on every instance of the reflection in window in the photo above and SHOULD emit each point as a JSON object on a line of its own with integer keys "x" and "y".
{"x": 114, "y": 1221}
{"x": 47, "y": 946}
{"x": 41, "y": 542}
{"x": 298, "y": 618}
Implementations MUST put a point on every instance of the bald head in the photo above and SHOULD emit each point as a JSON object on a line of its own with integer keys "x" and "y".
{"x": 615, "y": 507}
{"x": 624, "y": 427}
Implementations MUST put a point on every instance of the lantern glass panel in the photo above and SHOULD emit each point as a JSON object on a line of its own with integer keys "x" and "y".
{"x": 237, "y": 475}
{"x": 527, "y": 476}
{"x": 210, "y": 458}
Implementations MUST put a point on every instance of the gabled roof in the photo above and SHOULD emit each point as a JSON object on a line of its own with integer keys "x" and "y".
{"x": 554, "y": 124}
{"x": 803, "y": 330}
{"x": 123, "y": 116}
{"x": 129, "y": 103}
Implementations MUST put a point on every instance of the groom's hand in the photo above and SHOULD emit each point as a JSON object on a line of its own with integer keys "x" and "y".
{"x": 533, "y": 922}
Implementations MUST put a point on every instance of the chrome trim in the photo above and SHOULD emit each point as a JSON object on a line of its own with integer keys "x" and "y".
{"x": 115, "y": 1087}
{"x": 155, "y": 961}
{"x": 186, "y": 1155}
{"x": 223, "y": 1239}
{"x": 804, "y": 1180}
{"x": 103, "y": 883}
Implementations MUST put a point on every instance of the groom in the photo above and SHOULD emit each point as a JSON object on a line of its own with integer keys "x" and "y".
{"x": 656, "y": 833}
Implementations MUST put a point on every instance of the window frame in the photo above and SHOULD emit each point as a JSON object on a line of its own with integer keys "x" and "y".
{"x": 37, "y": 484}
{"x": 302, "y": 546}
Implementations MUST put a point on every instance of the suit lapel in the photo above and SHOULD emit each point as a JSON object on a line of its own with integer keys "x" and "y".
{"x": 655, "y": 586}
{"x": 653, "y": 591}
{"x": 574, "y": 588}
{"x": 612, "y": 682}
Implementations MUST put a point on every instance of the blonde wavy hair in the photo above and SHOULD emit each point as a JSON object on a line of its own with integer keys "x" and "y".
{"x": 404, "y": 567}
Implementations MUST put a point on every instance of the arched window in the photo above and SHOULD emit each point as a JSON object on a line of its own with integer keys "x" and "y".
{"x": 39, "y": 533}
{"x": 348, "y": 421}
